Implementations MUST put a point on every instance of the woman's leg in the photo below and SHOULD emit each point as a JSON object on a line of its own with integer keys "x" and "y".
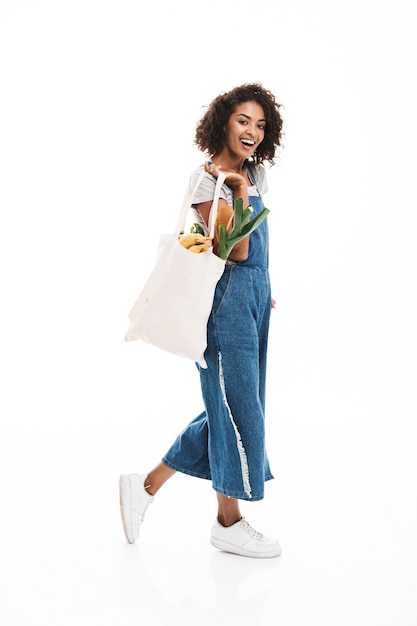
{"x": 157, "y": 477}
{"x": 228, "y": 510}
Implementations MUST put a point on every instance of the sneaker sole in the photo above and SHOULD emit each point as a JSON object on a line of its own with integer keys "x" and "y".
{"x": 125, "y": 499}
{"x": 232, "y": 549}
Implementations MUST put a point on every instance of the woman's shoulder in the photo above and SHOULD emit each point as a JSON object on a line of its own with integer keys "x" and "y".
{"x": 206, "y": 186}
{"x": 196, "y": 173}
{"x": 203, "y": 179}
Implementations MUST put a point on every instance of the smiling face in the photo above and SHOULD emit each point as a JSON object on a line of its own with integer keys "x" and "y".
{"x": 245, "y": 130}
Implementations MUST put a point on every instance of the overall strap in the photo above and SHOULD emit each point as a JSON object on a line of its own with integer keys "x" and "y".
{"x": 252, "y": 175}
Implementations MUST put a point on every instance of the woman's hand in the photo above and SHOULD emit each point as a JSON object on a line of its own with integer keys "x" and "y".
{"x": 232, "y": 179}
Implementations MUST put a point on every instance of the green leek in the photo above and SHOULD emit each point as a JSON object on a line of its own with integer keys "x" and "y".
{"x": 241, "y": 227}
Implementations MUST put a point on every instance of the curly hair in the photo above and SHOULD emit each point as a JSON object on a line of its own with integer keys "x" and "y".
{"x": 210, "y": 134}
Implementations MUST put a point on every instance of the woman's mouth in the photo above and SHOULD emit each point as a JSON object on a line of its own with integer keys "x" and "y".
{"x": 247, "y": 143}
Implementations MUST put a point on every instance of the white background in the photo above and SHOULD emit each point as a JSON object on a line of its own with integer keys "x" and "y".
{"x": 98, "y": 106}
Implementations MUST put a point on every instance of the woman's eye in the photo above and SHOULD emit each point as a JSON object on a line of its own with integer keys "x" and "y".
{"x": 242, "y": 122}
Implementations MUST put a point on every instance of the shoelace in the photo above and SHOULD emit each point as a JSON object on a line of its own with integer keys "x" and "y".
{"x": 250, "y": 530}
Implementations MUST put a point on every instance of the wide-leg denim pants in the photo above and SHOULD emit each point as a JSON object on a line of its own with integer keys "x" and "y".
{"x": 226, "y": 442}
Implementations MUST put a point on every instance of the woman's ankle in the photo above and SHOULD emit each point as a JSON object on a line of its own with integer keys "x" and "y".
{"x": 228, "y": 520}
{"x": 228, "y": 511}
{"x": 157, "y": 478}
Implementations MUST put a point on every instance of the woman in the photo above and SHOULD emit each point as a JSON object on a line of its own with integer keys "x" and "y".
{"x": 226, "y": 443}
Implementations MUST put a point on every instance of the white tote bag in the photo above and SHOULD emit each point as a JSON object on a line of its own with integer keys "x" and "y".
{"x": 174, "y": 305}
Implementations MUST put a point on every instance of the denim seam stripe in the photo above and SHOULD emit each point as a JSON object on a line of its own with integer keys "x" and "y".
{"x": 240, "y": 447}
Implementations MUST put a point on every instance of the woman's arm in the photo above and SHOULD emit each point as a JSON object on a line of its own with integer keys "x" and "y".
{"x": 225, "y": 212}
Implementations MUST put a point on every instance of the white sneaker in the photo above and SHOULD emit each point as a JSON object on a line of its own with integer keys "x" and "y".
{"x": 134, "y": 502}
{"x": 242, "y": 539}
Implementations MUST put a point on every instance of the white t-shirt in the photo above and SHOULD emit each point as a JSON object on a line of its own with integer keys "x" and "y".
{"x": 205, "y": 190}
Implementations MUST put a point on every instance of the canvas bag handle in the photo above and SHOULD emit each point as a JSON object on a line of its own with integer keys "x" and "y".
{"x": 189, "y": 200}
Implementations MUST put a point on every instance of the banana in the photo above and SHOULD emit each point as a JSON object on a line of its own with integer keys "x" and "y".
{"x": 195, "y": 242}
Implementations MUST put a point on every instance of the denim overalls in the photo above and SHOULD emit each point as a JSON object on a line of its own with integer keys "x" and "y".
{"x": 226, "y": 443}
